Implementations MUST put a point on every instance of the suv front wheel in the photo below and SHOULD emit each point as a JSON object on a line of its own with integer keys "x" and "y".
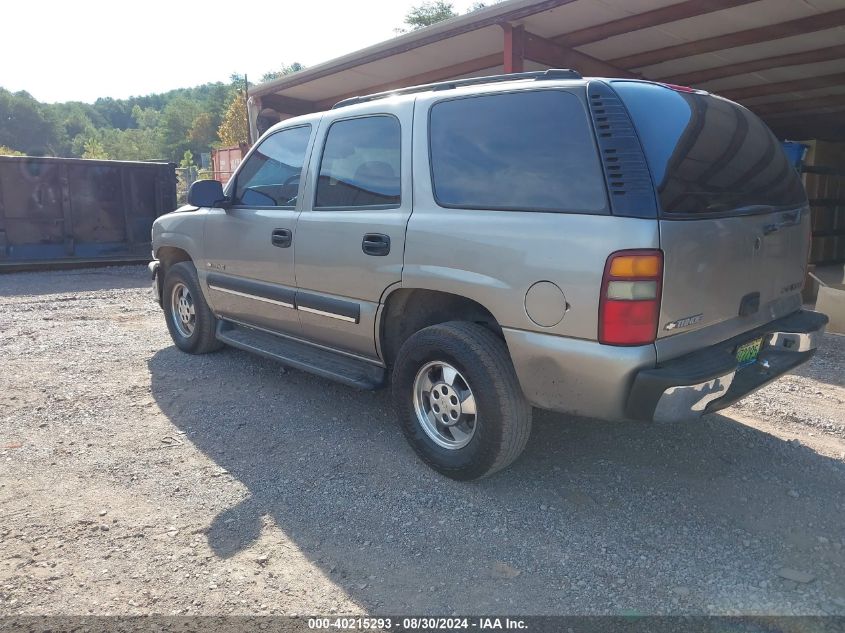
{"x": 191, "y": 323}
{"x": 459, "y": 400}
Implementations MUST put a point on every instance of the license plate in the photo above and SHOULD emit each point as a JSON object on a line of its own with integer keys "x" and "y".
{"x": 747, "y": 352}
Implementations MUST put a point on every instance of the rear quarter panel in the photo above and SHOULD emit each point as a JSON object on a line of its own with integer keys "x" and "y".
{"x": 495, "y": 256}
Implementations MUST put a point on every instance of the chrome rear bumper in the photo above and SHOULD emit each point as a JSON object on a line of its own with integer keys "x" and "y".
{"x": 710, "y": 379}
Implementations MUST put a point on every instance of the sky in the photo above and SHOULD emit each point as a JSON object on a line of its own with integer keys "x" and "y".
{"x": 79, "y": 50}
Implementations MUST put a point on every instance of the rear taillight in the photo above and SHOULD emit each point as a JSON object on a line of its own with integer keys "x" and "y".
{"x": 630, "y": 297}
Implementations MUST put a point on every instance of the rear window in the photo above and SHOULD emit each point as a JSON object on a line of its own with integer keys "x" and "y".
{"x": 518, "y": 151}
{"x": 708, "y": 155}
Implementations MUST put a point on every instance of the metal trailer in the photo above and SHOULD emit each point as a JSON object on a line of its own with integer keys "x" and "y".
{"x": 225, "y": 161}
{"x": 68, "y": 211}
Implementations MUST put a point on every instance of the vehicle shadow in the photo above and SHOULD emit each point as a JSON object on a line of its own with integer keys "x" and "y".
{"x": 52, "y": 282}
{"x": 826, "y": 365}
{"x": 595, "y": 517}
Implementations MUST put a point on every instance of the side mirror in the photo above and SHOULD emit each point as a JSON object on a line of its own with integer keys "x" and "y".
{"x": 206, "y": 193}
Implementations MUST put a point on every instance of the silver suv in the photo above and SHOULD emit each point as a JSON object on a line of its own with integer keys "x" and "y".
{"x": 618, "y": 249}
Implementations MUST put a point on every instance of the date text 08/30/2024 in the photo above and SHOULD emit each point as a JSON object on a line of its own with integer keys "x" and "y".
{"x": 416, "y": 623}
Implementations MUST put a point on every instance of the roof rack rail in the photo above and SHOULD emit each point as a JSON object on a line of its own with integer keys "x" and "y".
{"x": 538, "y": 75}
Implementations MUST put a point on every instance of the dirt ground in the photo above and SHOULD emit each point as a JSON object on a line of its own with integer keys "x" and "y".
{"x": 137, "y": 479}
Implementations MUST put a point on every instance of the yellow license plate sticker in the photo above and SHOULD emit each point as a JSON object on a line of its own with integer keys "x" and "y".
{"x": 747, "y": 352}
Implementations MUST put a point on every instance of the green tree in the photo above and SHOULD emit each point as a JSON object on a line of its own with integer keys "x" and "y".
{"x": 26, "y": 125}
{"x": 426, "y": 14}
{"x": 8, "y": 151}
{"x": 94, "y": 149}
{"x": 287, "y": 69}
{"x": 187, "y": 159}
{"x": 145, "y": 118}
{"x": 134, "y": 144}
{"x": 235, "y": 128}
{"x": 75, "y": 122}
{"x": 176, "y": 121}
{"x": 118, "y": 112}
{"x": 154, "y": 126}
{"x": 73, "y": 119}
{"x": 203, "y": 132}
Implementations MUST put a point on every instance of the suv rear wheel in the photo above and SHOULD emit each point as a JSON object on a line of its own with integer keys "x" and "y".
{"x": 191, "y": 323}
{"x": 459, "y": 401}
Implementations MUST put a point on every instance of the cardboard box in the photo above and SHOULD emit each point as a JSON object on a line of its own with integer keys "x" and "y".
{"x": 831, "y": 295}
{"x": 831, "y": 301}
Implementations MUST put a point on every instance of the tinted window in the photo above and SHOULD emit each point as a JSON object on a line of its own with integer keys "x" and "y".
{"x": 526, "y": 150}
{"x": 708, "y": 155}
{"x": 270, "y": 176}
{"x": 360, "y": 165}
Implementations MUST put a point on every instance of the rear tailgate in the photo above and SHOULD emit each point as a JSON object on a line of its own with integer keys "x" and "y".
{"x": 734, "y": 223}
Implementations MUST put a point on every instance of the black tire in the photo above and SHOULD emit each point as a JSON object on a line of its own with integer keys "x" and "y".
{"x": 202, "y": 339}
{"x": 502, "y": 422}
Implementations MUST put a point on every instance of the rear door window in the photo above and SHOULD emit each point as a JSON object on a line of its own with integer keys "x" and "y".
{"x": 530, "y": 151}
{"x": 707, "y": 154}
{"x": 360, "y": 167}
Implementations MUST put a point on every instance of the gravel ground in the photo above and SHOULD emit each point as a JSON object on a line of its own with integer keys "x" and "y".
{"x": 137, "y": 479}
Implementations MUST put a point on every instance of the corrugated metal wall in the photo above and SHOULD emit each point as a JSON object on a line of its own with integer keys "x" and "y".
{"x": 65, "y": 210}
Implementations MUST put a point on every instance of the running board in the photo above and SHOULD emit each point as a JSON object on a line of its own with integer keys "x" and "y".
{"x": 300, "y": 355}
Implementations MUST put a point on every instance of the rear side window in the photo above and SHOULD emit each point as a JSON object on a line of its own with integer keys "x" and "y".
{"x": 707, "y": 154}
{"x": 270, "y": 177}
{"x": 529, "y": 151}
{"x": 361, "y": 164}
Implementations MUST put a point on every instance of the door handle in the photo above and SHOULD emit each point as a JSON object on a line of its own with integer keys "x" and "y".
{"x": 281, "y": 237}
{"x": 376, "y": 244}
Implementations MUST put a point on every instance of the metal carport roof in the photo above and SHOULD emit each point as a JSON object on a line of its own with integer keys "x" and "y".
{"x": 784, "y": 59}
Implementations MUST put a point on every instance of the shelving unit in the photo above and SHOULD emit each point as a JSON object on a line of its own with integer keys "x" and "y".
{"x": 825, "y": 185}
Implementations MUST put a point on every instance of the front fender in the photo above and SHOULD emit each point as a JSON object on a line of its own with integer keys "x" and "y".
{"x": 182, "y": 230}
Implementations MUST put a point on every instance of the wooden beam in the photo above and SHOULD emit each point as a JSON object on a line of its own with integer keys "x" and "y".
{"x": 826, "y": 54}
{"x": 514, "y": 47}
{"x": 762, "y": 90}
{"x": 818, "y": 121}
{"x": 824, "y": 117}
{"x": 797, "y": 105}
{"x": 439, "y": 74}
{"x": 648, "y": 19}
{"x": 545, "y": 51}
{"x": 767, "y": 33}
{"x": 808, "y": 114}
